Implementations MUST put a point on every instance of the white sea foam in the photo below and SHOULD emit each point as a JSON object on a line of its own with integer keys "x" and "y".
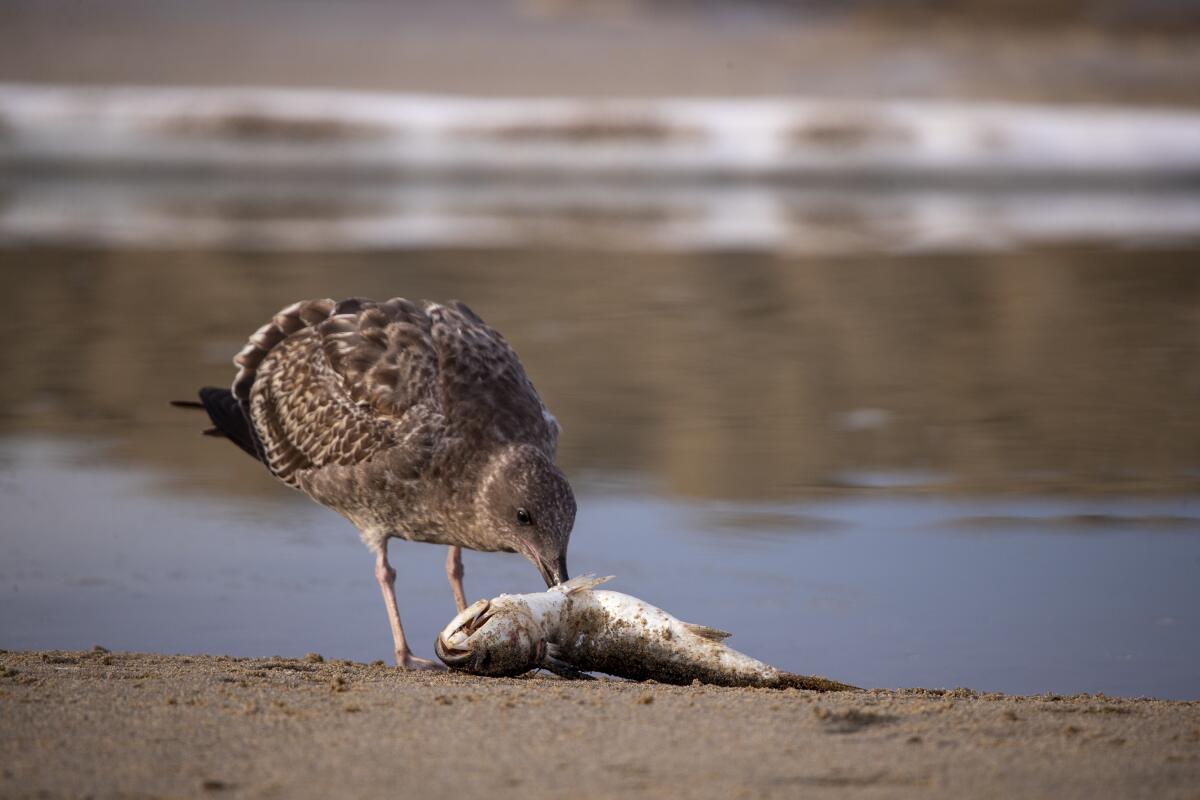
{"x": 287, "y": 169}
{"x": 330, "y": 131}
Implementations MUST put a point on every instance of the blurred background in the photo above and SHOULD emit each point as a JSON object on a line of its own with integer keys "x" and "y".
{"x": 873, "y": 327}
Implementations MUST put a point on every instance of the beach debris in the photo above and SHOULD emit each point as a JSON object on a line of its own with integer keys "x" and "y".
{"x": 573, "y": 629}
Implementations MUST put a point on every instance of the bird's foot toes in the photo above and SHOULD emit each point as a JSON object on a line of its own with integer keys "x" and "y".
{"x": 409, "y": 661}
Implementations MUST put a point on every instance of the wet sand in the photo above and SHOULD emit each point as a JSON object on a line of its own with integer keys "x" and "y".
{"x": 106, "y": 724}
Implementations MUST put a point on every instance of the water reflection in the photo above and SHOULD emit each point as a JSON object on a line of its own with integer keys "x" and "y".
{"x": 976, "y": 470}
{"x": 834, "y": 215}
{"x": 723, "y": 375}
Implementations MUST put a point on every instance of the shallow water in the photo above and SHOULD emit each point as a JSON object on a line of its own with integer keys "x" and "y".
{"x": 978, "y": 470}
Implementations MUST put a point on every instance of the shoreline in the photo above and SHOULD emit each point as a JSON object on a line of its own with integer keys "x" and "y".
{"x": 305, "y": 170}
{"x": 323, "y": 134}
{"x": 119, "y": 724}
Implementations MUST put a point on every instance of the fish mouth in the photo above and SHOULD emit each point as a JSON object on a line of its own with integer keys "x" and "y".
{"x": 466, "y": 622}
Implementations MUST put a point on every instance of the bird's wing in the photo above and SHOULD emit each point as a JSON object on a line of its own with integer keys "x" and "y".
{"x": 384, "y": 353}
{"x": 329, "y": 383}
{"x": 485, "y": 393}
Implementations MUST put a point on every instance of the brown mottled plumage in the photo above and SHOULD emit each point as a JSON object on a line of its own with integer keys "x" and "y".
{"x": 413, "y": 420}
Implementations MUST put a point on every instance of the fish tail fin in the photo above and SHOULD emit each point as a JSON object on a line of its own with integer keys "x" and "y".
{"x": 813, "y": 683}
{"x": 580, "y": 582}
{"x": 705, "y": 632}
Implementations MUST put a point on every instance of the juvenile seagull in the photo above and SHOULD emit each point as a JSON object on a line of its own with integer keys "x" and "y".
{"x": 413, "y": 420}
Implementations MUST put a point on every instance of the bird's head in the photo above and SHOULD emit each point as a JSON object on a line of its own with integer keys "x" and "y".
{"x": 525, "y": 501}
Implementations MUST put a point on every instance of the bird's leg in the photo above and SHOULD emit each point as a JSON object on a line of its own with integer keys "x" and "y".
{"x": 454, "y": 573}
{"x": 387, "y": 584}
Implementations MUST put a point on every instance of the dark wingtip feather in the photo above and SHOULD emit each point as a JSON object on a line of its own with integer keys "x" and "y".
{"x": 229, "y": 419}
{"x": 187, "y": 404}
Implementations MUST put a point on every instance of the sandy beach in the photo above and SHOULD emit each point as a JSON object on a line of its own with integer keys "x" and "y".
{"x": 101, "y": 724}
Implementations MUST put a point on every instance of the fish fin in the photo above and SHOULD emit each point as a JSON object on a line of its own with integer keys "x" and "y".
{"x": 705, "y": 632}
{"x": 580, "y": 582}
{"x": 551, "y": 662}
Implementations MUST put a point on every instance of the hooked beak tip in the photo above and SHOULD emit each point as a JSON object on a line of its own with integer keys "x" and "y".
{"x": 553, "y": 573}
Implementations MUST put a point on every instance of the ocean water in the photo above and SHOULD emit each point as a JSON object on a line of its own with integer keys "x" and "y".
{"x": 968, "y": 468}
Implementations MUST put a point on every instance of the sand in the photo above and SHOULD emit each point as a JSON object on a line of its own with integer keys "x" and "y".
{"x": 103, "y": 724}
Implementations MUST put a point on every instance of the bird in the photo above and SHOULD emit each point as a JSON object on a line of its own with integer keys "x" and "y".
{"x": 413, "y": 420}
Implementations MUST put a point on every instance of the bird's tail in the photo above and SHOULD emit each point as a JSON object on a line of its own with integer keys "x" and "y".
{"x": 229, "y": 421}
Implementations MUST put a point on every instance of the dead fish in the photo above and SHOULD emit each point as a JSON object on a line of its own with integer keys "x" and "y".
{"x": 573, "y": 629}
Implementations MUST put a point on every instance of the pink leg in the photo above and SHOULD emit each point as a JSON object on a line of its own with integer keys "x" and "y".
{"x": 454, "y": 573}
{"x": 387, "y": 584}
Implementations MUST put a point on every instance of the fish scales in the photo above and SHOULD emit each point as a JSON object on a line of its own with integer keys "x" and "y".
{"x": 610, "y": 632}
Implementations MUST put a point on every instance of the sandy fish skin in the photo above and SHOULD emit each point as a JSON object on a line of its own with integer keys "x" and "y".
{"x": 574, "y": 628}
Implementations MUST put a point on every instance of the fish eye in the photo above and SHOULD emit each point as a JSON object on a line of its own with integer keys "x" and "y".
{"x": 523, "y": 517}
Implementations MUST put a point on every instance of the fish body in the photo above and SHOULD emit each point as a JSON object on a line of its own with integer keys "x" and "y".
{"x": 574, "y": 629}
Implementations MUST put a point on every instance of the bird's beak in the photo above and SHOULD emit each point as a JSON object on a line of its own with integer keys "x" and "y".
{"x": 554, "y": 571}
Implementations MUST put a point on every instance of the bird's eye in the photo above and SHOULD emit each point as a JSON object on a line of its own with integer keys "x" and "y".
{"x": 523, "y": 517}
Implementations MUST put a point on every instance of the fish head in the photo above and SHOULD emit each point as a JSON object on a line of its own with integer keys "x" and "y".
{"x": 491, "y": 637}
